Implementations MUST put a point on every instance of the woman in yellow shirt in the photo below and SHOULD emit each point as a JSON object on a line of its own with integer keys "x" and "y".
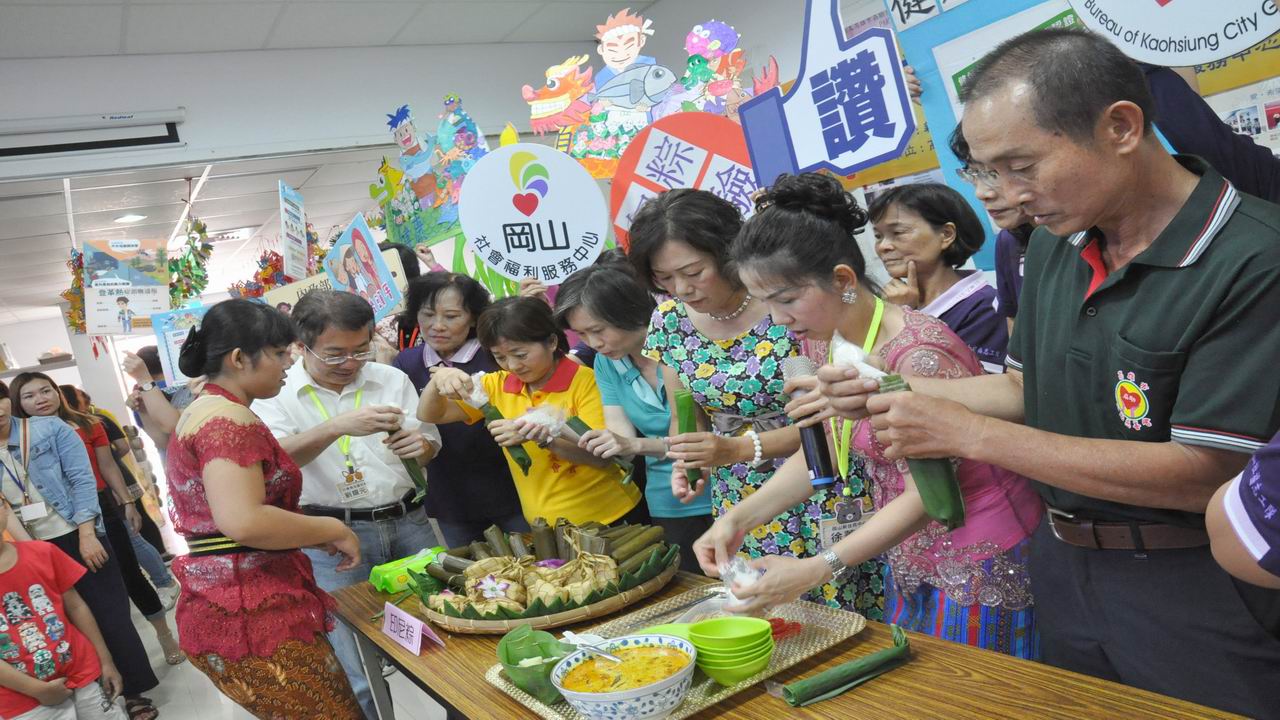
{"x": 563, "y": 480}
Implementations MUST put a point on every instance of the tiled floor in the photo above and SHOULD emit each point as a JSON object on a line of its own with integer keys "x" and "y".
{"x": 186, "y": 694}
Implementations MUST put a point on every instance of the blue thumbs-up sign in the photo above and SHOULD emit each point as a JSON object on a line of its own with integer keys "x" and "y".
{"x": 848, "y": 109}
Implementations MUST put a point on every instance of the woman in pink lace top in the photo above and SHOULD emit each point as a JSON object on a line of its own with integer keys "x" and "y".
{"x": 250, "y": 615}
{"x": 968, "y": 585}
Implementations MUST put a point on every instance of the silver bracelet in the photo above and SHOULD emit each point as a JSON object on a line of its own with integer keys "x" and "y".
{"x": 755, "y": 441}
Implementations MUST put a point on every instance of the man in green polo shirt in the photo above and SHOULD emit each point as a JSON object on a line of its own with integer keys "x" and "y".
{"x": 1141, "y": 375}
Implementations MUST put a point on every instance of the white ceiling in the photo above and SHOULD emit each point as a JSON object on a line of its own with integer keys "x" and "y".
{"x": 82, "y": 28}
{"x": 35, "y": 236}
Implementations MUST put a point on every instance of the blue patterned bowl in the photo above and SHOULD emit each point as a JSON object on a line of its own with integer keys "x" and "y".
{"x": 655, "y": 700}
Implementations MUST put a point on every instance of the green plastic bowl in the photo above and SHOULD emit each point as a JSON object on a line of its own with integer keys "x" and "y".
{"x": 735, "y": 675}
{"x": 729, "y": 633}
{"x": 746, "y": 653}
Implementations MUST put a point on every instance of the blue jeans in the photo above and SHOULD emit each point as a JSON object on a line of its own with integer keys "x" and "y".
{"x": 460, "y": 532}
{"x": 381, "y": 541}
{"x": 150, "y": 560}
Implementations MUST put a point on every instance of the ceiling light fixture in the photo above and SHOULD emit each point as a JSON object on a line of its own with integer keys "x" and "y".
{"x": 130, "y": 218}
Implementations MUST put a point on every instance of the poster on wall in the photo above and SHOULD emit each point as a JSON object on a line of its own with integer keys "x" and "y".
{"x": 1253, "y": 110}
{"x": 1175, "y": 34}
{"x": 531, "y": 211}
{"x": 171, "y": 330}
{"x": 354, "y": 265}
{"x": 685, "y": 150}
{"x": 293, "y": 233}
{"x": 848, "y": 109}
{"x": 126, "y": 281}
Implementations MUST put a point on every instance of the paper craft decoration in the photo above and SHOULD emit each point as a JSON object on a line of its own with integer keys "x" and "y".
{"x": 847, "y": 110}
{"x": 1183, "y": 33}
{"x": 685, "y": 150}
{"x": 188, "y": 267}
{"x": 713, "y": 73}
{"x": 596, "y": 117}
{"x": 419, "y": 199}
{"x": 354, "y": 265}
{"x": 293, "y": 233}
{"x": 171, "y": 330}
{"x": 126, "y": 281}
{"x": 531, "y": 211}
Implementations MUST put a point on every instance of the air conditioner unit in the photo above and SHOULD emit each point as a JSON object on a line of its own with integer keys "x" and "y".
{"x": 24, "y": 137}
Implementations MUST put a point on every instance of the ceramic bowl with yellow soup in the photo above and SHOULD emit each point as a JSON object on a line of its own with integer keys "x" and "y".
{"x": 650, "y": 682}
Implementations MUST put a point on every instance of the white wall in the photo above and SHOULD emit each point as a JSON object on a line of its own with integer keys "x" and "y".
{"x": 272, "y": 102}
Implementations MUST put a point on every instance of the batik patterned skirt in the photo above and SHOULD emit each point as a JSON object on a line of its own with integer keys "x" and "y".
{"x": 299, "y": 681}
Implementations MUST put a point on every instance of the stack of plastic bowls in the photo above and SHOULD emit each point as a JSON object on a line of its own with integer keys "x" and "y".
{"x": 732, "y": 649}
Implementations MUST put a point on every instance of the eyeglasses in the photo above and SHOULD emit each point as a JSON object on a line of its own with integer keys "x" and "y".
{"x": 989, "y": 178}
{"x": 365, "y": 356}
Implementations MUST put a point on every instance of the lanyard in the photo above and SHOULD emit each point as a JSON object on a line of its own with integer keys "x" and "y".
{"x": 843, "y": 435}
{"x": 344, "y": 442}
{"x": 24, "y": 443}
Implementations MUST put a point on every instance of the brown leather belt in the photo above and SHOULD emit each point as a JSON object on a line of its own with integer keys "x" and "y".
{"x": 1139, "y": 536}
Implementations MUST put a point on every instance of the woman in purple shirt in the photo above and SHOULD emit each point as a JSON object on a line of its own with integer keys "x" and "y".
{"x": 469, "y": 485}
{"x": 924, "y": 233}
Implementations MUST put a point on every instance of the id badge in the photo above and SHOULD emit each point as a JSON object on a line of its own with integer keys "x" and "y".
{"x": 352, "y": 486}
{"x": 848, "y": 517}
{"x": 32, "y": 512}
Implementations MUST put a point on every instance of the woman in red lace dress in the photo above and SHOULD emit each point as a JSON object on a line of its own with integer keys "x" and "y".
{"x": 250, "y": 615}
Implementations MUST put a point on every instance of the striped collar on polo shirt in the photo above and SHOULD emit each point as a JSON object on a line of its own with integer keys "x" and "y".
{"x": 1201, "y": 218}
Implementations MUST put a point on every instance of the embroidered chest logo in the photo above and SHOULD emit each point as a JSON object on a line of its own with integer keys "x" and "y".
{"x": 1131, "y": 400}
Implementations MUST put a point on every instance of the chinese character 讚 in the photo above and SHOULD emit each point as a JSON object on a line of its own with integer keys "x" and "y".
{"x": 671, "y": 163}
{"x": 850, "y": 103}
{"x": 519, "y": 236}
{"x": 736, "y": 184}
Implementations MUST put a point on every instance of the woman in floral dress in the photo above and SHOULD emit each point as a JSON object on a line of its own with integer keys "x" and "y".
{"x": 967, "y": 585}
{"x": 251, "y": 616}
{"x": 717, "y": 341}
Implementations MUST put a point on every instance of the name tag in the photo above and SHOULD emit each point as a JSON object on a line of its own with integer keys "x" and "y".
{"x": 407, "y": 630}
{"x": 848, "y": 518}
{"x": 352, "y": 486}
{"x": 33, "y": 512}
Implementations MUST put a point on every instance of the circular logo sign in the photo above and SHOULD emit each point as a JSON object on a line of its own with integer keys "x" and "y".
{"x": 1180, "y": 32}
{"x": 529, "y": 210}
{"x": 684, "y": 150}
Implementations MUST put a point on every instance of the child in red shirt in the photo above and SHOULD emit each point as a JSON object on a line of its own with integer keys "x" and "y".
{"x": 49, "y": 641}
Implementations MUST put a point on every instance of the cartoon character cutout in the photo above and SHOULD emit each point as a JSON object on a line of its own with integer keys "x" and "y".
{"x": 559, "y": 104}
{"x": 415, "y": 155}
{"x": 630, "y": 83}
{"x": 124, "y": 314}
{"x": 15, "y": 609}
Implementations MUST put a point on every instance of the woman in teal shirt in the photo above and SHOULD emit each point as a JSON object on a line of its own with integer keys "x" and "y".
{"x": 610, "y": 310}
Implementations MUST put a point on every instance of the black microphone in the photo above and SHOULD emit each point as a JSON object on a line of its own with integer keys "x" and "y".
{"x": 812, "y": 438}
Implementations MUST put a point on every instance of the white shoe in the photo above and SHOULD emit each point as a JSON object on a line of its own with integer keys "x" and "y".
{"x": 169, "y": 595}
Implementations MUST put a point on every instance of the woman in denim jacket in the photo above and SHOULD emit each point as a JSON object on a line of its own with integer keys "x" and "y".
{"x": 47, "y": 479}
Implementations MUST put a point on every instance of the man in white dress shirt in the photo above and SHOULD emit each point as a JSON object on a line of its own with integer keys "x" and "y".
{"x": 349, "y": 423}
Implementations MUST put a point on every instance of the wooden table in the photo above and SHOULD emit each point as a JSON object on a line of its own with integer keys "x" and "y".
{"x": 943, "y": 679}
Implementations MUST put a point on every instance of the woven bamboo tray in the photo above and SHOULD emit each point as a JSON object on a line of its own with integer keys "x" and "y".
{"x": 609, "y": 605}
{"x": 824, "y": 628}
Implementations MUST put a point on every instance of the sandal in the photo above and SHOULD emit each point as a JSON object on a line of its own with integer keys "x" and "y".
{"x": 172, "y": 653}
{"x": 140, "y": 708}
